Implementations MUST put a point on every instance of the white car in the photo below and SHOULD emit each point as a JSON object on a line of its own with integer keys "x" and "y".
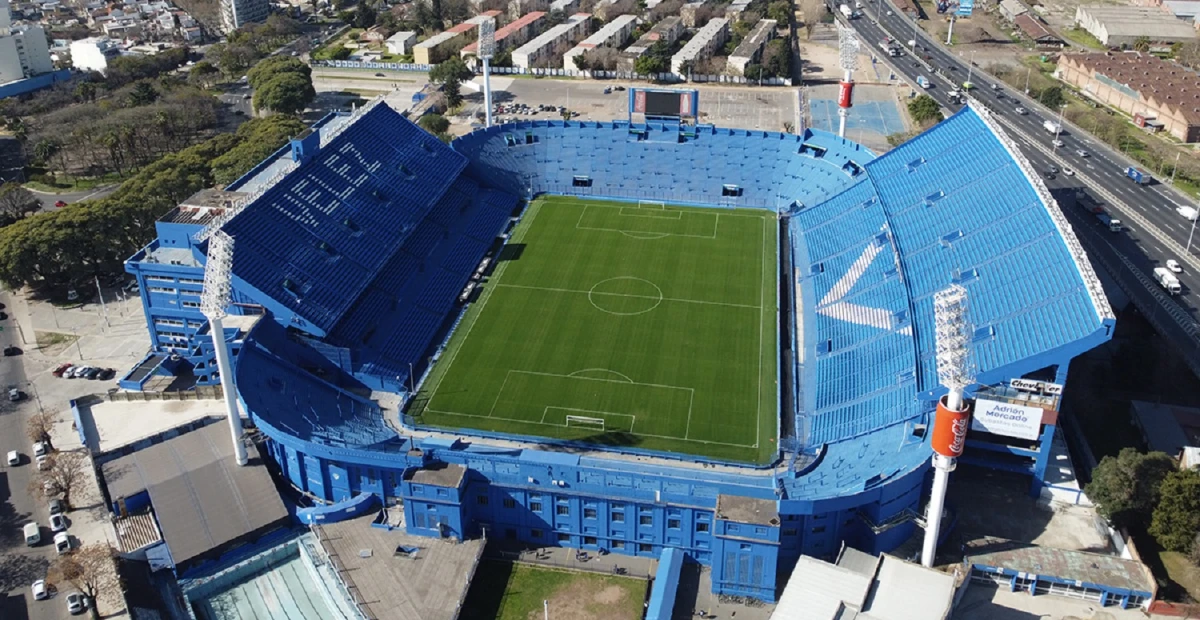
{"x": 62, "y": 543}
{"x": 1081, "y": 152}
{"x": 58, "y": 523}
{"x": 1068, "y": 172}
{"x": 40, "y": 449}
{"x": 1057, "y": 142}
{"x": 14, "y": 458}
{"x": 76, "y": 603}
{"x": 43, "y": 462}
{"x": 1173, "y": 265}
{"x": 1020, "y": 110}
{"x": 40, "y": 593}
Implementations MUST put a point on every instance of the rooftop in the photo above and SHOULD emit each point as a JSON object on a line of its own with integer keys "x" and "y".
{"x": 866, "y": 588}
{"x": 112, "y": 425}
{"x": 446, "y": 475}
{"x": 506, "y": 31}
{"x": 759, "y": 35}
{"x": 747, "y": 510}
{"x": 1035, "y": 29}
{"x": 1168, "y": 428}
{"x": 202, "y": 498}
{"x": 1090, "y": 568}
{"x": 1130, "y": 21}
{"x": 1158, "y": 82}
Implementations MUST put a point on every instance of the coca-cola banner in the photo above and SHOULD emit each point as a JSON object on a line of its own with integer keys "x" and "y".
{"x": 950, "y": 430}
{"x": 1007, "y": 419}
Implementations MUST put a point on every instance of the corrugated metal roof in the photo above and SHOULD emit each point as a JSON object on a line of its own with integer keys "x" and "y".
{"x": 906, "y": 591}
{"x": 817, "y": 591}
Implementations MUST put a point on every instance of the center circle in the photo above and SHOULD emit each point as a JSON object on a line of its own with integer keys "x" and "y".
{"x": 625, "y": 296}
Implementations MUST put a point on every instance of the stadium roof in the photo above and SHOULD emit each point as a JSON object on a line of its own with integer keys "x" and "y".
{"x": 889, "y": 589}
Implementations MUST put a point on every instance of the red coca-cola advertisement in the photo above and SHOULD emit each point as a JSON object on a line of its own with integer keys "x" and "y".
{"x": 950, "y": 429}
{"x": 846, "y": 95}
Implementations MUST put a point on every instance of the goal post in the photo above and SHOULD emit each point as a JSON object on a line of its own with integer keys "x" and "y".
{"x": 652, "y": 204}
{"x": 585, "y": 422}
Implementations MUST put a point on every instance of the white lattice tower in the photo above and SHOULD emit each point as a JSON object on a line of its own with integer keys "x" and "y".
{"x": 955, "y": 372}
{"x": 213, "y": 301}
{"x": 487, "y": 49}
{"x": 848, "y": 50}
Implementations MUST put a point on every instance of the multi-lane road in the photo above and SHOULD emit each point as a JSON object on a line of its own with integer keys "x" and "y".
{"x": 1154, "y": 232}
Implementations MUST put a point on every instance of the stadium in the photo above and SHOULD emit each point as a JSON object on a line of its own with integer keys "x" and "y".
{"x": 632, "y": 338}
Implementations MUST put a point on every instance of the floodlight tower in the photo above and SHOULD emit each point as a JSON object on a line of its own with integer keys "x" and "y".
{"x": 848, "y": 46}
{"x": 955, "y": 372}
{"x": 213, "y": 301}
{"x": 487, "y": 49}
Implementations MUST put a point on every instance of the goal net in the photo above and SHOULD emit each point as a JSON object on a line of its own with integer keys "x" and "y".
{"x": 651, "y": 204}
{"x": 585, "y": 421}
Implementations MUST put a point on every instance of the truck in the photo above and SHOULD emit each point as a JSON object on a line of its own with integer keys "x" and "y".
{"x": 1052, "y": 126}
{"x": 1167, "y": 280}
{"x": 1189, "y": 213}
{"x": 846, "y": 11}
{"x": 1139, "y": 176}
{"x": 1111, "y": 223}
{"x": 923, "y": 82}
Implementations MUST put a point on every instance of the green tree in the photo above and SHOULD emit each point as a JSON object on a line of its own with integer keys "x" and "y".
{"x": 286, "y": 93}
{"x": 1141, "y": 44}
{"x": 452, "y": 90}
{"x": 1125, "y": 488}
{"x": 780, "y": 12}
{"x": 655, "y": 60}
{"x": 258, "y": 139}
{"x": 452, "y": 68}
{"x": 204, "y": 74}
{"x": 365, "y": 16}
{"x": 434, "y": 123}
{"x": 276, "y": 65}
{"x": 85, "y": 91}
{"x": 924, "y": 108}
{"x": 143, "y": 93}
{"x": 1052, "y": 97}
{"x": 1176, "y": 519}
{"x": 16, "y": 202}
{"x": 581, "y": 62}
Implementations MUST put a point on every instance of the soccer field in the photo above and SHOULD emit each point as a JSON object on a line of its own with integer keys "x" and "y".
{"x": 647, "y": 326}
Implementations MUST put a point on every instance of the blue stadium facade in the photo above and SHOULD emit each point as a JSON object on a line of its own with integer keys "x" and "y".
{"x": 353, "y": 243}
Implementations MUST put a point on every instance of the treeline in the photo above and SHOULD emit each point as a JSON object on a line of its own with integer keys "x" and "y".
{"x": 56, "y": 249}
{"x": 246, "y": 45}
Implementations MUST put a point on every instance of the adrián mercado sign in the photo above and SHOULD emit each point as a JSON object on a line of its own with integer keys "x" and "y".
{"x": 1007, "y": 419}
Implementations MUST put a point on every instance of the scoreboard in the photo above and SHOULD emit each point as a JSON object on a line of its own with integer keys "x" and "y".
{"x": 659, "y": 103}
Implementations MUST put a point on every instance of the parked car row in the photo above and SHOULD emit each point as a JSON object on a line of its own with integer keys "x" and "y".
{"x": 71, "y": 371}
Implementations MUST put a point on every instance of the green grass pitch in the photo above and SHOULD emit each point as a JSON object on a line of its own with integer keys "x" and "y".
{"x": 660, "y": 321}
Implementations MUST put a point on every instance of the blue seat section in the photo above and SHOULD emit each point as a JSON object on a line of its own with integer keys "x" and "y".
{"x": 643, "y": 162}
{"x": 986, "y": 227}
{"x": 858, "y": 375}
{"x": 328, "y": 227}
{"x": 294, "y": 401}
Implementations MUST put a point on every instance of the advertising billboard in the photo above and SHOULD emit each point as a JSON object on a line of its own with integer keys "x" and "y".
{"x": 1007, "y": 419}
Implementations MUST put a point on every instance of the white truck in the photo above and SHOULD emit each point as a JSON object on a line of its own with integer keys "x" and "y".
{"x": 923, "y": 81}
{"x": 1188, "y": 213}
{"x": 1167, "y": 280}
{"x": 1052, "y": 126}
{"x": 846, "y": 11}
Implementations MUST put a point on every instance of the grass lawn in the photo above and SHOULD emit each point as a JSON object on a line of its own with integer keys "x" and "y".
{"x": 507, "y": 591}
{"x": 1084, "y": 38}
{"x": 66, "y": 183}
{"x": 612, "y": 323}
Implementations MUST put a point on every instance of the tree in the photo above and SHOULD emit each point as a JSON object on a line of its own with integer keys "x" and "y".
{"x": 452, "y": 68}
{"x": 1052, "y": 97}
{"x": 780, "y": 11}
{"x": 286, "y": 93}
{"x": 451, "y": 89}
{"x": 655, "y": 60}
{"x": 85, "y": 92}
{"x": 1141, "y": 44}
{"x": 365, "y": 16}
{"x": 1189, "y": 54}
{"x": 67, "y": 471}
{"x": 276, "y": 65}
{"x": 434, "y": 123}
{"x": 91, "y": 568}
{"x": 143, "y": 93}
{"x": 924, "y": 108}
{"x": 16, "y": 202}
{"x": 581, "y": 62}
{"x": 1125, "y": 488}
{"x": 39, "y": 426}
{"x": 1176, "y": 519}
{"x": 259, "y": 138}
{"x": 204, "y": 74}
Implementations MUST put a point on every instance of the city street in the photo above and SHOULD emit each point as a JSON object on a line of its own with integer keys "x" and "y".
{"x": 70, "y": 197}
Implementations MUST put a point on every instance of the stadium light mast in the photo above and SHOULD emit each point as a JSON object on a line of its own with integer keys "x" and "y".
{"x": 213, "y": 301}
{"x": 848, "y": 47}
{"x": 487, "y": 49}
{"x": 955, "y": 372}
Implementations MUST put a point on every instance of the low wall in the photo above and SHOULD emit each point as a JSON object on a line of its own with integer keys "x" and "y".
{"x": 595, "y": 75}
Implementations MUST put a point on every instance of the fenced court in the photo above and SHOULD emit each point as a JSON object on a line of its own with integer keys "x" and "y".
{"x": 876, "y": 113}
{"x": 636, "y": 324}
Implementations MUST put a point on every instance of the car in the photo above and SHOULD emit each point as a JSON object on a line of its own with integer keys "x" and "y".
{"x": 1020, "y": 110}
{"x": 3, "y": 316}
{"x": 607, "y": 90}
{"x": 380, "y": 75}
{"x": 60, "y": 203}
{"x": 62, "y": 368}
{"x": 1053, "y": 169}
{"x": 889, "y": 13}
{"x": 58, "y": 523}
{"x": 1173, "y": 265}
{"x": 40, "y": 593}
{"x": 78, "y": 372}
{"x": 57, "y": 506}
{"x": 106, "y": 374}
{"x": 40, "y": 449}
{"x": 1057, "y": 142}
{"x": 72, "y": 294}
{"x": 76, "y": 603}
{"x": 15, "y": 395}
{"x": 11, "y": 350}
{"x": 239, "y": 113}
{"x": 246, "y": 96}
{"x": 1068, "y": 172}
{"x": 43, "y": 462}
{"x": 92, "y": 374}
{"x": 1050, "y": 176}
{"x": 618, "y": 88}
{"x": 14, "y": 458}
{"x": 1081, "y": 152}
{"x": 62, "y": 543}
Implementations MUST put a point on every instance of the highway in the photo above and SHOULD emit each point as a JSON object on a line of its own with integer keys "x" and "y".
{"x": 1154, "y": 232}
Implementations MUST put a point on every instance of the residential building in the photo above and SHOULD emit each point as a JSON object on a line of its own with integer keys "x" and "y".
{"x": 751, "y": 48}
{"x": 237, "y": 13}
{"x": 1041, "y": 36}
{"x": 24, "y": 53}
{"x": 443, "y": 45}
{"x": 1160, "y": 95}
{"x": 612, "y": 34}
{"x": 401, "y": 43}
{"x": 1122, "y": 26}
{"x": 566, "y": 6}
{"x": 541, "y": 51}
{"x": 512, "y": 35}
{"x": 517, "y": 8}
{"x": 93, "y": 54}
{"x": 701, "y": 47}
{"x": 666, "y": 31}
{"x": 606, "y": 10}
{"x": 734, "y": 11}
{"x": 688, "y": 13}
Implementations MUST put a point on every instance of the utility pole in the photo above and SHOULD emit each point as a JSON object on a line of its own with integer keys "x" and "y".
{"x": 103, "y": 307}
{"x": 1176, "y": 167}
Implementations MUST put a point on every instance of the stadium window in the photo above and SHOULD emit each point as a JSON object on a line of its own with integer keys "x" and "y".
{"x": 510, "y": 140}
{"x": 418, "y": 490}
{"x": 529, "y": 139}
{"x": 618, "y": 517}
{"x": 819, "y": 529}
{"x": 581, "y": 181}
{"x": 510, "y": 503}
{"x": 535, "y": 506}
{"x": 645, "y": 520}
{"x": 191, "y": 304}
{"x": 672, "y": 524}
{"x": 618, "y": 544}
{"x": 564, "y": 537}
{"x": 443, "y": 493}
{"x": 589, "y": 540}
{"x": 701, "y": 527}
{"x": 535, "y": 533}
{"x": 760, "y": 530}
{"x": 481, "y": 500}
{"x": 744, "y": 546}
{"x": 789, "y": 531}
{"x": 370, "y": 476}
{"x": 731, "y": 190}
{"x": 734, "y": 528}
{"x": 562, "y": 510}
{"x": 162, "y": 289}
{"x": 645, "y": 548}
{"x": 589, "y": 513}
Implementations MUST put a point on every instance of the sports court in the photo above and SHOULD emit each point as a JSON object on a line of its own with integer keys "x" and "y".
{"x": 636, "y": 324}
{"x": 876, "y": 113}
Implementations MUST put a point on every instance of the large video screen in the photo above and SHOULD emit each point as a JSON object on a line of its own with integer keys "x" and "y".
{"x": 663, "y": 104}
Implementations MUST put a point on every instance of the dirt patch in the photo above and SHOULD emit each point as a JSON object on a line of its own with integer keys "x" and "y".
{"x": 579, "y": 602}
{"x": 610, "y": 595}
